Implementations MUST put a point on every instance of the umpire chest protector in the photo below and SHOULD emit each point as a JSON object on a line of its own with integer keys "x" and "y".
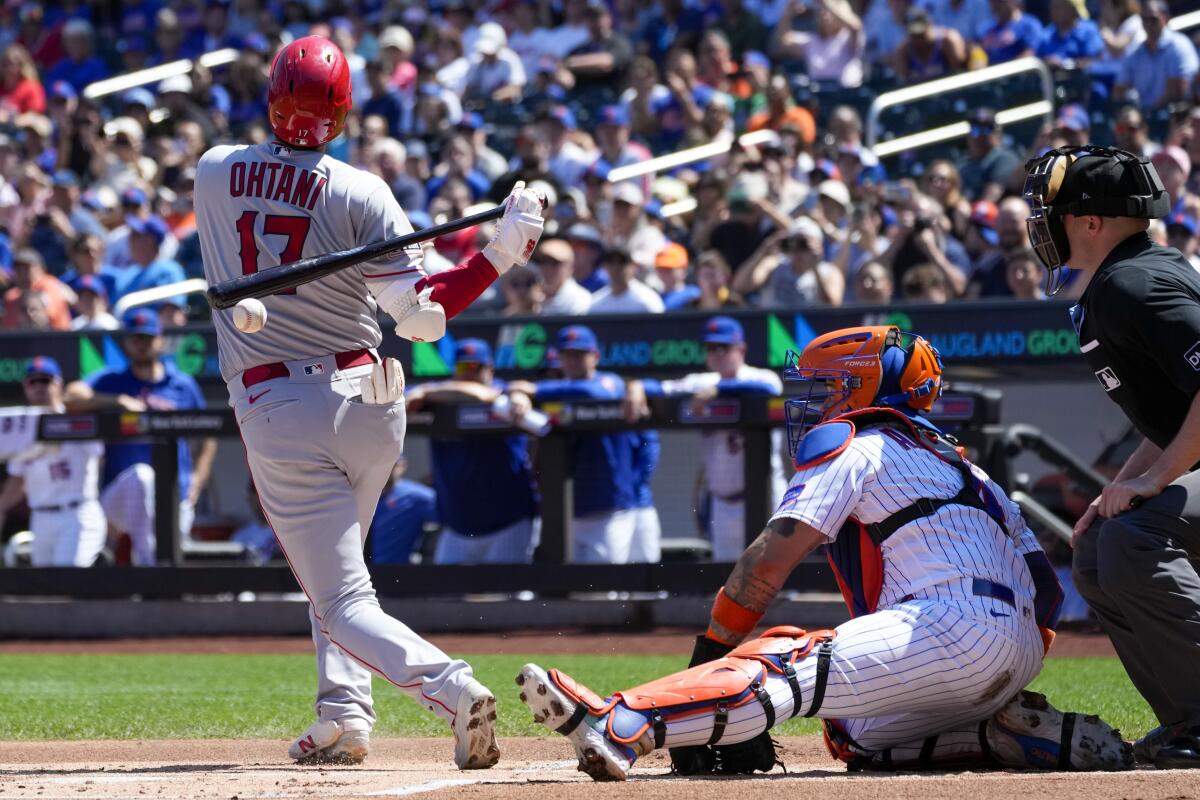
{"x": 856, "y": 554}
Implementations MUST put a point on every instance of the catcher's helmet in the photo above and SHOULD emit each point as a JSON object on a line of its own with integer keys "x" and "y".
{"x": 857, "y": 368}
{"x": 308, "y": 95}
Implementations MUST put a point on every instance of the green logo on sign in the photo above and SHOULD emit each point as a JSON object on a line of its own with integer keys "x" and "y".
{"x": 529, "y": 346}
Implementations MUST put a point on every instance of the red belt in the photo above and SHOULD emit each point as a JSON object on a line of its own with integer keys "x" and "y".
{"x": 266, "y": 372}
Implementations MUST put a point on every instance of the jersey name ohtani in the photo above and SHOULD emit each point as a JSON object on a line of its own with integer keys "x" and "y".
{"x": 274, "y": 181}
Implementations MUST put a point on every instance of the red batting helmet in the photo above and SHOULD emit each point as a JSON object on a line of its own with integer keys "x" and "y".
{"x": 309, "y": 92}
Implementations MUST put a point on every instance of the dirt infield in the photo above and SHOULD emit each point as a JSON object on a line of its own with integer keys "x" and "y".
{"x": 661, "y": 642}
{"x": 542, "y": 768}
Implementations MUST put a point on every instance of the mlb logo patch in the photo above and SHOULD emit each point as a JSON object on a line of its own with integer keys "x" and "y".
{"x": 314, "y": 369}
{"x": 1108, "y": 379}
{"x": 1192, "y": 357}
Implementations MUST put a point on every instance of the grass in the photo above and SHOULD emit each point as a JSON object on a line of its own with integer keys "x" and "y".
{"x": 55, "y": 697}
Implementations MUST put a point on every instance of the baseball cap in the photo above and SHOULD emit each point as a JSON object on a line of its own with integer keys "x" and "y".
{"x": 473, "y": 351}
{"x": 64, "y": 177}
{"x": 629, "y": 192}
{"x": 723, "y": 330}
{"x": 396, "y": 36}
{"x": 1176, "y": 155}
{"x": 415, "y": 148}
{"x": 134, "y": 196}
{"x": 1074, "y": 117}
{"x": 828, "y": 169}
{"x": 550, "y": 360}
{"x": 806, "y": 227}
{"x": 43, "y": 365}
{"x": 596, "y": 7}
{"x": 490, "y": 39}
{"x": 612, "y": 115}
{"x": 557, "y": 250}
{"x": 1097, "y": 176}
{"x": 597, "y": 171}
{"x": 577, "y": 337}
{"x": 753, "y": 58}
{"x": 150, "y": 226}
{"x": 138, "y": 97}
{"x": 93, "y": 284}
{"x": 143, "y": 321}
{"x": 835, "y": 191}
{"x": 984, "y": 214}
{"x": 471, "y": 120}
{"x": 563, "y": 115}
{"x": 983, "y": 122}
{"x": 1186, "y": 221}
{"x": 176, "y": 83}
{"x": 61, "y": 90}
{"x": 582, "y": 232}
{"x": 673, "y": 256}
{"x": 916, "y": 20}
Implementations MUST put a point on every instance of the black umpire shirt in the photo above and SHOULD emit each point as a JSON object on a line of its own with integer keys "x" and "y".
{"x": 1139, "y": 329}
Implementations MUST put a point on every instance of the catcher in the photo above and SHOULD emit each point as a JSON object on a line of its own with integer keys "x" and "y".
{"x": 953, "y": 604}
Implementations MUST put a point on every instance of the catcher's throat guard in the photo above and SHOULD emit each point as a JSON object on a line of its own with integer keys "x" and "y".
{"x": 712, "y": 688}
{"x": 1047, "y": 183}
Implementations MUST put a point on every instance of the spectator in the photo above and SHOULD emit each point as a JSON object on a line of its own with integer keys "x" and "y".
{"x": 607, "y": 470}
{"x": 256, "y": 535}
{"x": 148, "y": 383}
{"x": 666, "y": 112}
{"x": 743, "y": 28}
{"x": 1024, "y": 274}
{"x": 458, "y": 161}
{"x": 988, "y": 165}
{"x": 60, "y": 485}
{"x": 30, "y": 278}
{"x": 873, "y": 285}
{"x": 629, "y": 227}
{"x": 385, "y": 101}
{"x": 625, "y": 294}
{"x": 91, "y": 306}
{"x": 1014, "y": 34}
{"x": 62, "y": 220}
{"x": 601, "y": 61}
{"x": 1130, "y": 132}
{"x": 942, "y": 182}
{"x": 1160, "y": 70}
{"x": 523, "y": 294}
{"x": 981, "y": 238}
{"x": 20, "y": 89}
{"x": 1072, "y": 39}
{"x": 831, "y": 54}
{"x": 790, "y": 271}
{"x": 1174, "y": 167}
{"x": 118, "y": 159}
{"x": 669, "y": 24}
{"x": 929, "y": 51}
{"x": 782, "y": 111}
{"x": 564, "y": 297}
{"x": 389, "y": 160}
{"x": 671, "y": 268}
{"x": 567, "y": 159}
{"x": 487, "y": 160}
{"x": 396, "y": 49}
{"x": 925, "y": 283}
{"x": 713, "y": 279}
{"x": 79, "y": 67}
{"x": 86, "y": 257}
{"x": 1073, "y": 124}
{"x": 714, "y": 61}
{"x": 612, "y": 138}
{"x": 148, "y": 269}
{"x": 1183, "y": 233}
{"x": 966, "y": 17}
{"x": 406, "y": 510}
{"x": 750, "y": 221}
{"x": 845, "y": 129}
{"x": 884, "y": 22}
{"x": 1121, "y": 29}
{"x": 587, "y": 246}
{"x": 496, "y": 73}
{"x": 989, "y": 278}
{"x": 528, "y": 37}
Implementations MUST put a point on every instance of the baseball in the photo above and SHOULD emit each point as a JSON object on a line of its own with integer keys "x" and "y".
{"x": 249, "y": 315}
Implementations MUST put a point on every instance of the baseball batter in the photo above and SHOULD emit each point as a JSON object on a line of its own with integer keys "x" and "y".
{"x": 321, "y": 414}
{"x": 946, "y": 584}
{"x": 61, "y": 487}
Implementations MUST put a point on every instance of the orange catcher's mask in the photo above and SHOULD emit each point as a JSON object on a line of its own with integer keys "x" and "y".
{"x": 853, "y": 368}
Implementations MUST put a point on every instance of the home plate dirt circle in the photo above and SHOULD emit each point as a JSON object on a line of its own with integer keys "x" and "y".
{"x": 530, "y": 767}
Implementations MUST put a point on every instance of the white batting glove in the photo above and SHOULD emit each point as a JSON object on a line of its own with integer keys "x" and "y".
{"x": 385, "y": 384}
{"x": 518, "y": 231}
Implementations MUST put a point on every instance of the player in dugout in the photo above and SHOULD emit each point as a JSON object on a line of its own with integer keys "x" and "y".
{"x": 953, "y": 605}
{"x": 1138, "y": 322}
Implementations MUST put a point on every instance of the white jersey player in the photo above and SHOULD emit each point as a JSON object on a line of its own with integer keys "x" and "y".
{"x": 724, "y": 465}
{"x": 953, "y": 604}
{"x": 61, "y": 485}
{"x": 321, "y": 414}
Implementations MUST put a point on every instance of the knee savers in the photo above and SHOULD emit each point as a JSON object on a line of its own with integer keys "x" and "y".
{"x": 711, "y": 688}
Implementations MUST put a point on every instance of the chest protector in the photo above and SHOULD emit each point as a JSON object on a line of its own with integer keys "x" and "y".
{"x": 856, "y": 555}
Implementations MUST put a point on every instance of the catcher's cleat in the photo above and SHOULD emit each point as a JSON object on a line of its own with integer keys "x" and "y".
{"x": 328, "y": 742}
{"x": 474, "y": 728}
{"x": 1145, "y": 749}
{"x": 1029, "y": 732}
{"x": 602, "y": 759}
{"x": 1182, "y": 749}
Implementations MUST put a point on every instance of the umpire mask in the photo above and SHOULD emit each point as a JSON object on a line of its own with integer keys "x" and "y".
{"x": 1082, "y": 181}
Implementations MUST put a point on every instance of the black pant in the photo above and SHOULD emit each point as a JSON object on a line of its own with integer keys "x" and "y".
{"x": 1134, "y": 571}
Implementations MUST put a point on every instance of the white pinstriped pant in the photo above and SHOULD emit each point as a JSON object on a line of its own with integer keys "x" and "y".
{"x": 909, "y": 671}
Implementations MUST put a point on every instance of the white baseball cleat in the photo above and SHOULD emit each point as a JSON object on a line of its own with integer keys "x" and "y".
{"x": 474, "y": 728}
{"x": 1029, "y": 732}
{"x": 328, "y": 742}
{"x": 553, "y": 708}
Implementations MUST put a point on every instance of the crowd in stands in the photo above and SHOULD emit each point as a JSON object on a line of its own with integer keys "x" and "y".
{"x": 456, "y": 100}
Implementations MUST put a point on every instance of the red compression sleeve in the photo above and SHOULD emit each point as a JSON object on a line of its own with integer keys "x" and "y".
{"x": 457, "y": 288}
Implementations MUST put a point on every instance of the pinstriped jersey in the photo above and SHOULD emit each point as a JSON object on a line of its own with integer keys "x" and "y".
{"x": 883, "y": 471}
{"x": 258, "y": 206}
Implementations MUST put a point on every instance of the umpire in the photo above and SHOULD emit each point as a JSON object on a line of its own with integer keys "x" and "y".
{"x": 1138, "y": 322}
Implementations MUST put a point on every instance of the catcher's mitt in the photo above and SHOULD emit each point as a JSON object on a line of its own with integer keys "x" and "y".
{"x": 742, "y": 758}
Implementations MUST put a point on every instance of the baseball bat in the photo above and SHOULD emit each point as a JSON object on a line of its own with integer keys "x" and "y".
{"x": 288, "y": 276}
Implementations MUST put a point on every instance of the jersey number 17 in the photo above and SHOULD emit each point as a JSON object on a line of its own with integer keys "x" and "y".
{"x": 295, "y": 228}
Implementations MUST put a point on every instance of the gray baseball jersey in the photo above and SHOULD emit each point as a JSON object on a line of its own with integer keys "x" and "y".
{"x": 259, "y": 206}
